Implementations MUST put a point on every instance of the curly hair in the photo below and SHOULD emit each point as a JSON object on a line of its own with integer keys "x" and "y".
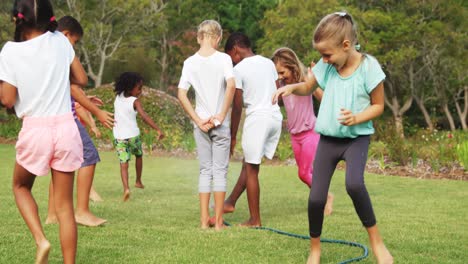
{"x": 127, "y": 81}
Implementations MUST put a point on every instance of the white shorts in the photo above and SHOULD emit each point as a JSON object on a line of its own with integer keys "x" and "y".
{"x": 260, "y": 137}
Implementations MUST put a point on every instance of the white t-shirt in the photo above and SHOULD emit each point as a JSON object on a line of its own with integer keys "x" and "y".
{"x": 207, "y": 76}
{"x": 125, "y": 125}
{"x": 40, "y": 70}
{"x": 256, "y": 77}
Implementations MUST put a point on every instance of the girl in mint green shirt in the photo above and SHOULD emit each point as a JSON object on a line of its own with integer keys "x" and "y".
{"x": 353, "y": 95}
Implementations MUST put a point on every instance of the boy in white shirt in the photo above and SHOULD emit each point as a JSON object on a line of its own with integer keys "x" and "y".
{"x": 210, "y": 74}
{"x": 255, "y": 83}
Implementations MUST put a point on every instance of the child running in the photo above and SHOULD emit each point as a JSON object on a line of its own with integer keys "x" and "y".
{"x": 128, "y": 88}
{"x": 72, "y": 29}
{"x": 49, "y": 139}
{"x": 210, "y": 74}
{"x": 255, "y": 83}
{"x": 353, "y": 96}
{"x": 301, "y": 116}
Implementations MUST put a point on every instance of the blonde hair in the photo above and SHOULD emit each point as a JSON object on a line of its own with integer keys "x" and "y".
{"x": 288, "y": 58}
{"x": 209, "y": 28}
{"x": 337, "y": 26}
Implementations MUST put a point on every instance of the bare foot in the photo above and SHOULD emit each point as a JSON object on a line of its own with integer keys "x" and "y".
{"x": 329, "y": 205}
{"x": 382, "y": 255}
{"x": 51, "y": 220}
{"x": 94, "y": 196}
{"x": 88, "y": 219}
{"x": 139, "y": 185}
{"x": 126, "y": 195}
{"x": 42, "y": 253}
{"x": 228, "y": 207}
{"x": 251, "y": 223}
{"x": 220, "y": 227}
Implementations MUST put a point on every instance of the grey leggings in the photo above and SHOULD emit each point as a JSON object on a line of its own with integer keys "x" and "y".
{"x": 213, "y": 155}
{"x": 330, "y": 151}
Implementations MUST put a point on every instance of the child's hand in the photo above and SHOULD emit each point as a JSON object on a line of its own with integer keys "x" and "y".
{"x": 310, "y": 74}
{"x": 217, "y": 120}
{"x": 233, "y": 146}
{"x": 95, "y": 100}
{"x": 281, "y": 92}
{"x": 347, "y": 118}
{"x": 160, "y": 135}
{"x": 105, "y": 118}
{"x": 205, "y": 125}
{"x": 96, "y": 132}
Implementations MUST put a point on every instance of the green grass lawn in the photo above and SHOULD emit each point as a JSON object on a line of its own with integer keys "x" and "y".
{"x": 422, "y": 221}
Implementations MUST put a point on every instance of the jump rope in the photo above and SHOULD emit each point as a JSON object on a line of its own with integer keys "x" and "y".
{"x": 365, "y": 251}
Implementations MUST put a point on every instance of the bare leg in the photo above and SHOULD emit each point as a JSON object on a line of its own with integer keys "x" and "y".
{"x": 139, "y": 170}
{"x": 84, "y": 181}
{"x": 219, "y": 209}
{"x": 381, "y": 253}
{"x": 314, "y": 255}
{"x": 94, "y": 196}
{"x": 230, "y": 203}
{"x": 23, "y": 182}
{"x": 51, "y": 217}
{"x": 253, "y": 195}
{"x": 204, "y": 210}
{"x": 63, "y": 200}
{"x": 124, "y": 176}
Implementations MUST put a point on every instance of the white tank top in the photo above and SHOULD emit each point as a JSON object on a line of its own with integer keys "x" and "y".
{"x": 125, "y": 125}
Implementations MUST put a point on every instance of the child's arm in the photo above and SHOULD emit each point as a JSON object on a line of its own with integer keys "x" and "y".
{"x": 235, "y": 117}
{"x": 204, "y": 125}
{"x": 228, "y": 97}
{"x": 103, "y": 116}
{"x": 318, "y": 94}
{"x": 8, "y": 94}
{"x": 139, "y": 108}
{"x": 302, "y": 88}
{"x": 376, "y": 108}
{"x": 86, "y": 117}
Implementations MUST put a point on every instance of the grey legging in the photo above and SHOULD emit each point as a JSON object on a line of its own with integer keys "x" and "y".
{"x": 330, "y": 151}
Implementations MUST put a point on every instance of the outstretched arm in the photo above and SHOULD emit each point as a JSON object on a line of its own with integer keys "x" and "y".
{"x": 376, "y": 108}
{"x": 303, "y": 88}
{"x": 139, "y": 108}
{"x": 103, "y": 116}
{"x": 235, "y": 117}
{"x": 204, "y": 125}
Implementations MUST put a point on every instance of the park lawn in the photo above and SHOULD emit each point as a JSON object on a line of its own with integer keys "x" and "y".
{"x": 422, "y": 221}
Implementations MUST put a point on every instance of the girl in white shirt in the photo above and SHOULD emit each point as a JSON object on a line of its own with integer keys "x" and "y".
{"x": 49, "y": 139}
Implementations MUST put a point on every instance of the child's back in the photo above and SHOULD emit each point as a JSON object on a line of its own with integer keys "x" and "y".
{"x": 39, "y": 68}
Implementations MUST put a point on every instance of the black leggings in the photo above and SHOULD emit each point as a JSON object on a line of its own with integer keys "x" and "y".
{"x": 330, "y": 151}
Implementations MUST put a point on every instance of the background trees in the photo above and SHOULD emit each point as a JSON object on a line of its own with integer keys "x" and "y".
{"x": 421, "y": 44}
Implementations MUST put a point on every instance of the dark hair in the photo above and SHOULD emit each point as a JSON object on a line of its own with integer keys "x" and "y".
{"x": 33, "y": 15}
{"x": 127, "y": 81}
{"x": 71, "y": 24}
{"x": 237, "y": 39}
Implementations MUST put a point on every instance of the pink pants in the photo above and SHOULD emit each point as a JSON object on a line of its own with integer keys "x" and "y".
{"x": 304, "y": 145}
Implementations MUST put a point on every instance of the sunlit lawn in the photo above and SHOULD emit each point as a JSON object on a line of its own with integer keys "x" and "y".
{"x": 422, "y": 221}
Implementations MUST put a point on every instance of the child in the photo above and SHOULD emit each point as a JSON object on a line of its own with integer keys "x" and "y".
{"x": 210, "y": 74}
{"x": 255, "y": 83}
{"x": 353, "y": 96}
{"x": 301, "y": 117}
{"x": 49, "y": 138}
{"x": 127, "y": 140}
{"x": 72, "y": 29}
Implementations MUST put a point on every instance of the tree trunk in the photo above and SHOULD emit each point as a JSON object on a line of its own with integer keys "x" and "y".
{"x": 449, "y": 116}
{"x": 462, "y": 115}
{"x": 422, "y": 107}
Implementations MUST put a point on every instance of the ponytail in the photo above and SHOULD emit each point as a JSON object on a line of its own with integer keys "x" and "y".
{"x": 33, "y": 15}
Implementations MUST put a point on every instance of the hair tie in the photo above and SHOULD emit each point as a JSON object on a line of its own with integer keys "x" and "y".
{"x": 357, "y": 46}
{"x": 20, "y": 15}
{"x": 52, "y": 19}
{"x": 341, "y": 14}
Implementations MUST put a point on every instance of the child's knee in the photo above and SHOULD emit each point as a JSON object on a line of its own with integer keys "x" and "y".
{"x": 355, "y": 189}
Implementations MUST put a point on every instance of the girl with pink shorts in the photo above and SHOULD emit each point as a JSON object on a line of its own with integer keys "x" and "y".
{"x": 49, "y": 139}
{"x": 301, "y": 116}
